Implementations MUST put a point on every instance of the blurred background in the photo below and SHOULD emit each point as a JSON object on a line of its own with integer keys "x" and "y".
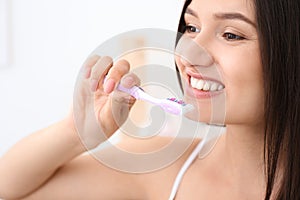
{"x": 43, "y": 44}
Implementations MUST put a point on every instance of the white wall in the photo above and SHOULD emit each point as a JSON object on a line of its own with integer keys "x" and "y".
{"x": 49, "y": 40}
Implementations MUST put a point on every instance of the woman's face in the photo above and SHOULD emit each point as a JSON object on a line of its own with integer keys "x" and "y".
{"x": 219, "y": 61}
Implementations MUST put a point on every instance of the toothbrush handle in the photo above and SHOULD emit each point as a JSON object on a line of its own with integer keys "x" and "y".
{"x": 133, "y": 91}
{"x": 138, "y": 93}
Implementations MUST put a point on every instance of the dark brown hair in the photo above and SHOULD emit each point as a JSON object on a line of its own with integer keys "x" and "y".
{"x": 278, "y": 30}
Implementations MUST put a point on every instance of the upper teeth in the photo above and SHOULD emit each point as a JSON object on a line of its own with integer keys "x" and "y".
{"x": 206, "y": 85}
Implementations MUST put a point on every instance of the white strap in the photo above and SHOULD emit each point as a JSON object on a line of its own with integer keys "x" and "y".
{"x": 185, "y": 166}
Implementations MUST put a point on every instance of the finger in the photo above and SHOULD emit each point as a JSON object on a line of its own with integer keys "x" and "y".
{"x": 88, "y": 64}
{"x": 115, "y": 74}
{"x": 121, "y": 104}
{"x": 129, "y": 80}
{"x": 99, "y": 70}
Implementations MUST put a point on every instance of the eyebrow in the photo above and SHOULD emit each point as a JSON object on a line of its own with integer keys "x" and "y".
{"x": 226, "y": 16}
{"x": 191, "y": 12}
{"x": 237, "y": 16}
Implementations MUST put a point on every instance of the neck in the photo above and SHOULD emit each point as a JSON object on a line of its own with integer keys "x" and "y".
{"x": 240, "y": 151}
{"x": 243, "y": 145}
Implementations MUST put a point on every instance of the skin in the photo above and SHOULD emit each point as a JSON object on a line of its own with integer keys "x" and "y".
{"x": 233, "y": 170}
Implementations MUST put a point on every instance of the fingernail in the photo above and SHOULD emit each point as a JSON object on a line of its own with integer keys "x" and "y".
{"x": 109, "y": 86}
{"x": 94, "y": 85}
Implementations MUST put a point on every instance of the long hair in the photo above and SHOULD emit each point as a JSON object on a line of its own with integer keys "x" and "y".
{"x": 278, "y": 30}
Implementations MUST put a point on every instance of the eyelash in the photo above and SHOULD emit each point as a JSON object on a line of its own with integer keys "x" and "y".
{"x": 188, "y": 28}
{"x": 227, "y": 35}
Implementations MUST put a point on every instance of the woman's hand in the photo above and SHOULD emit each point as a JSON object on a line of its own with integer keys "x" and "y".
{"x": 98, "y": 109}
{"x": 97, "y": 112}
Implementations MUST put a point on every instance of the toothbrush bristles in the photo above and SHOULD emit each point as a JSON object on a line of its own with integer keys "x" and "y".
{"x": 177, "y": 101}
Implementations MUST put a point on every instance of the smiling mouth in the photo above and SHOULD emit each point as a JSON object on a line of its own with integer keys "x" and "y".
{"x": 206, "y": 85}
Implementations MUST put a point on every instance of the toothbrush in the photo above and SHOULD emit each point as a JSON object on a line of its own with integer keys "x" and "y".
{"x": 171, "y": 105}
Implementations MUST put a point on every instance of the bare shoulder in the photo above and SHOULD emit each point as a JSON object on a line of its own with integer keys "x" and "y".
{"x": 128, "y": 169}
{"x": 156, "y": 160}
{"x": 87, "y": 178}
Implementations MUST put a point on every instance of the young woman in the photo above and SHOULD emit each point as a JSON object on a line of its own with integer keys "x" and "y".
{"x": 254, "y": 47}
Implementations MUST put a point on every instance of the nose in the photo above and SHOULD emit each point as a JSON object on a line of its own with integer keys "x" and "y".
{"x": 192, "y": 53}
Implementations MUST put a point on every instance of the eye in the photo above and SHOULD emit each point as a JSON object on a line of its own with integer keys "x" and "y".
{"x": 231, "y": 36}
{"x": 191, "y": 29}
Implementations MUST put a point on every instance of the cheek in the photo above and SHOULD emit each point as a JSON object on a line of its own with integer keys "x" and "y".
{"x": 181, "y": 68}
{"x": 244, "y": 88}
{"x": 179, "y": 63}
